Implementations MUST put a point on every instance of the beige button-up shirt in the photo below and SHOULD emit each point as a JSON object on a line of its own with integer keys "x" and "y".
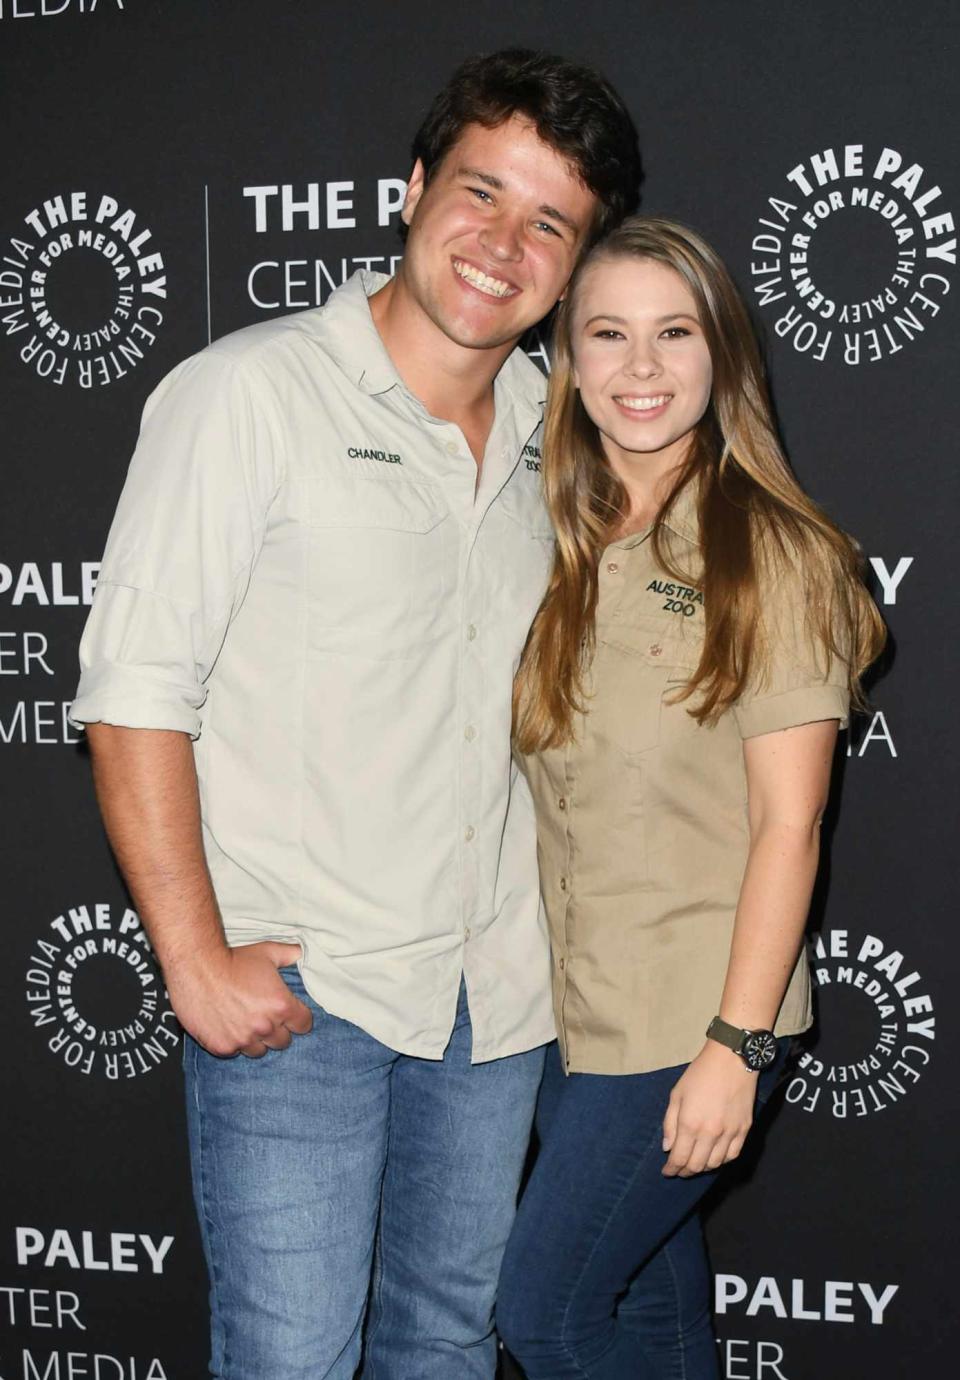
{"x": 301, "y": 576}
{"x": 642, "y": 821}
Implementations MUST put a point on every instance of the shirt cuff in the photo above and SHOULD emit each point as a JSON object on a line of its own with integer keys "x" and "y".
{"x": 125, "y": 697}
{"x": 808, "y": 704}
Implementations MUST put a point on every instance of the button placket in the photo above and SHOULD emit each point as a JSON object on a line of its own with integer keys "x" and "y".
{"x": 564, "y": 805}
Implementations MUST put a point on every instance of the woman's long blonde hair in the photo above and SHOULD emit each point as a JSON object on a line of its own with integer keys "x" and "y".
{"x": 753, "y": 515}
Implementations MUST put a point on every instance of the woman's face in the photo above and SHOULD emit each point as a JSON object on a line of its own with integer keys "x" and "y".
{"x": 641, "y": 363}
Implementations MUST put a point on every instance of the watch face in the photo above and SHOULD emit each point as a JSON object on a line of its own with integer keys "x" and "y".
{"x": 759, "y": 1050}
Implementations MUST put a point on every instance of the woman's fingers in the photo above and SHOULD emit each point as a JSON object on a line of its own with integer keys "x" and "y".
{"x": 670, "y": 1122}
{"x": 683, "y": 1147}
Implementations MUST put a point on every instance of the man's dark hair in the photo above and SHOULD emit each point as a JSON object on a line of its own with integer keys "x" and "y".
{"x": 574, "y": 110}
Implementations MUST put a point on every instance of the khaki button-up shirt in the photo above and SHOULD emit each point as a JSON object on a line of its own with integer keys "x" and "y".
{"x": 303, "y": 575}
{"x": 642, "y": 821}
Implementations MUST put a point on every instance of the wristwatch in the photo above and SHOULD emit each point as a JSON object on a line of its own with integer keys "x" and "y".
{"x": 757, "y": 1048}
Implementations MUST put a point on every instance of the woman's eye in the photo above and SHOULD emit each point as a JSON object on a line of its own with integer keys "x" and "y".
{"x": 608, "y": 334}
{"x": 676, "y": 332}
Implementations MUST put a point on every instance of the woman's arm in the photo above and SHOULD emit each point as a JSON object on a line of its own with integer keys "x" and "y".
{"x": 788, "y": 777}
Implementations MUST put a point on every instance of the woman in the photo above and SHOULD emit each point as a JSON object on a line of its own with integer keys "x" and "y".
{"x": 676, "y": 710}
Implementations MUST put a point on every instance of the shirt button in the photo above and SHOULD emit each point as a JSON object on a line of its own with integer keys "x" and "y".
{"x": 466, "y": 934}
{"x": 560, "y": 965}
{"x": 561, "y": 803}
{"x": 563, "y": 883}
{"x": 655, "y": 649}
{"x": 471, "y": 632}
{"x": 469, "y": 833}
{"x": 451, "y": 448}
{"x": 612, "y": 567}
{"x": 469, "y": 733}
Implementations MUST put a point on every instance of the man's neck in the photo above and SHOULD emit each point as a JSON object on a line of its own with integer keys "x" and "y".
{"x": 453, "y": 382}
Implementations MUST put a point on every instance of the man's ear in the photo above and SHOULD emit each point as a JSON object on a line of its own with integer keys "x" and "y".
{"x": 414, "y": 192}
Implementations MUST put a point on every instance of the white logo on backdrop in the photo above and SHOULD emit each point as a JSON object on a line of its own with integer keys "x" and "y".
{"x": 281, "y": 208}
{"x": 898, "y": 1033}
{"x": 82, "y": 290}
{"x": 802, "y": 1300}
{"x": 840, "y": 212}
{"x": 770, "y": 1299}
{"x": 125, "y": 1252}
{"x": 30, "y": 1305}
{"x": 52, "y": 9}
{"x": 95, "y": 994}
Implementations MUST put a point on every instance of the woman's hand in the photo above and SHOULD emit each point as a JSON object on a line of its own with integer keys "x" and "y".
{"x": 710, "y": 1112}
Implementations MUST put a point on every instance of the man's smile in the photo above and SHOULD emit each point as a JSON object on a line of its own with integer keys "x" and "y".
{"x": 483, "y": 282}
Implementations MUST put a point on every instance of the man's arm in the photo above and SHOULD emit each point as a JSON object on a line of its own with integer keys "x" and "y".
{"x": 230, "y": 1000}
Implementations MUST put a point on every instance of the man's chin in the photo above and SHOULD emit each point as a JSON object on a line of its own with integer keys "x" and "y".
{"x": 475, "y": 337}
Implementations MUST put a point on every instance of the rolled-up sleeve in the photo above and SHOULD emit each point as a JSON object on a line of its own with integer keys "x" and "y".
{"x": 181, "y": 548}
{"x": 801, "y": 682}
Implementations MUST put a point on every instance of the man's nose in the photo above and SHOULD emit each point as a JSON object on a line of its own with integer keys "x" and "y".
{"x": 502, "y": 239}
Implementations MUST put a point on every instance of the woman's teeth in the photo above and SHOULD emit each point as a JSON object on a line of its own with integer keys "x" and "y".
{"x": 644, "y": 404}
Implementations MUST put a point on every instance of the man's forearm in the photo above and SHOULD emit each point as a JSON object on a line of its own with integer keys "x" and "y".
{"x": 230, "y": 1000}
{"x": 147, "y": 789}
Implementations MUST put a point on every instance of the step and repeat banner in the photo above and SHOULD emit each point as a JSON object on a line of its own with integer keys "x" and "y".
{"x": 177, "y": 169}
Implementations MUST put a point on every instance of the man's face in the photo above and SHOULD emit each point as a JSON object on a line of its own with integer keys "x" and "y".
{"x": 494, "y": 235}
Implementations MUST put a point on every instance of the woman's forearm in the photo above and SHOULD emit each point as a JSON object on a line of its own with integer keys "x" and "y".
{"x": 788, "y": 780}
{"x": 771, "y": 915}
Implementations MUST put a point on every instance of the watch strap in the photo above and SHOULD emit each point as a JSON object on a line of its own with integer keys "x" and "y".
{"x": 726, "y": 1034}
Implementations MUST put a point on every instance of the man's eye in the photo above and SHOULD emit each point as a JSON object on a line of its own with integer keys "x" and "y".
{"x": 545, "y": 225}
{"x": 483, "y": 195}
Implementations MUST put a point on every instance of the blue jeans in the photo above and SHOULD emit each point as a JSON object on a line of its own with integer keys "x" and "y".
{"x": 355, "y": 1199}
{"x": 605, "y": 1276}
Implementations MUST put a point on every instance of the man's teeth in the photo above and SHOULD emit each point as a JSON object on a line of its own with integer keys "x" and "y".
{"x": 492, "y": 286}
{"x": 645, "y": 404}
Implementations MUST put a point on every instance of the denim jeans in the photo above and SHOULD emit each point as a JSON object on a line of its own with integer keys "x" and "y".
{"x": 605, "y": 1276}
{"x": 355, "y": 1200}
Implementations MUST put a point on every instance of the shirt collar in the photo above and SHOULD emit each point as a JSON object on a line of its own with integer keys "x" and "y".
{"x": 684, "y": 517}
{"x": 346, "y": 332}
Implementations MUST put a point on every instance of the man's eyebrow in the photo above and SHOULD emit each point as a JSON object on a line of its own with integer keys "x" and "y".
{"x": 497, "y": 184}
{"x": 487, "y": 178}
{"x": 566, "y": 220}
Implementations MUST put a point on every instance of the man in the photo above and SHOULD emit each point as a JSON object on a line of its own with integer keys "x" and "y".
{"x": 319, "y": 580}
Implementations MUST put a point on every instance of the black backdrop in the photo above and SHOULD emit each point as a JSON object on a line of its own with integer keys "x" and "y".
{"x": 171, "y": 174}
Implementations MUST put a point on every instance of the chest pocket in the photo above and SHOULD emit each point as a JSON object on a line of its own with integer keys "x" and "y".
{"x": 381, "y": 557}
{"x": 525, "y": 543}
{"x": 638, "y": 669}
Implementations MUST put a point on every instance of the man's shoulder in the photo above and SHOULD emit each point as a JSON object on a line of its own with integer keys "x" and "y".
{"x": 266, "y": 340}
